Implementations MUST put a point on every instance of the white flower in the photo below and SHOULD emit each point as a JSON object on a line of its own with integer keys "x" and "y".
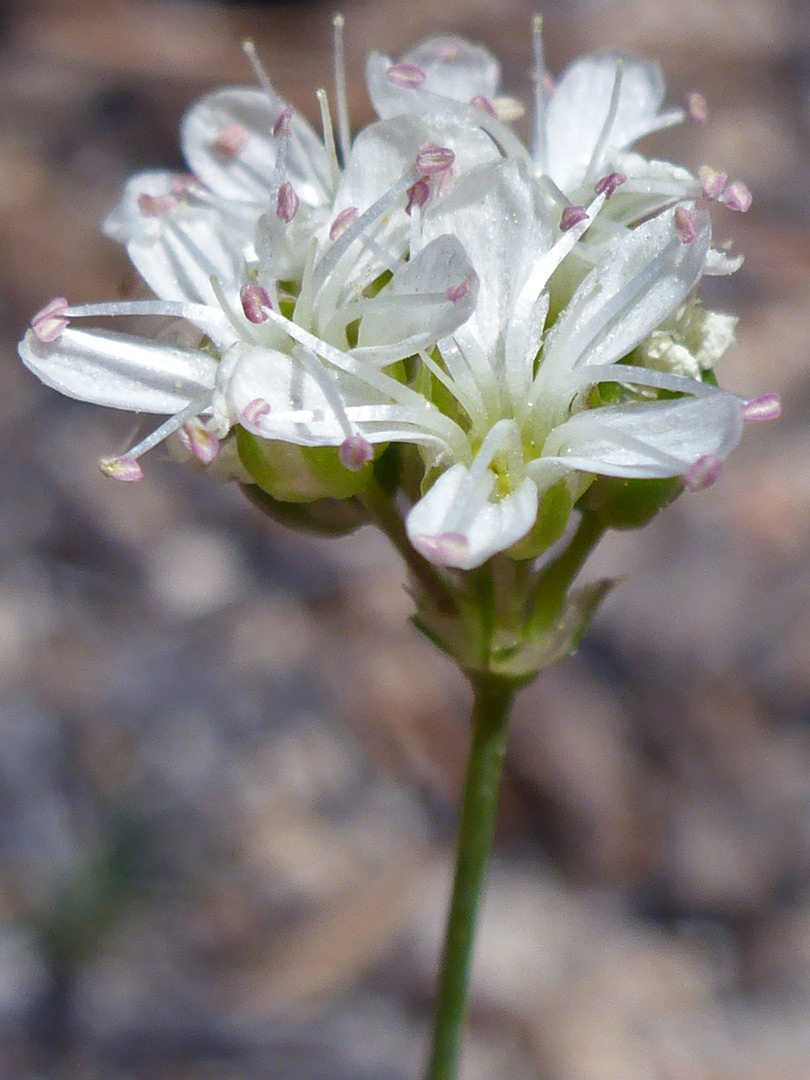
{"x": 583, "y": 128}
{"x": 236, "y": 305}
{"x": 528, "y": 395}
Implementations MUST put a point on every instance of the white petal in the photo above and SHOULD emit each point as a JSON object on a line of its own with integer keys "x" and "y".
{"x": 178, "y": 259}
{"x": 179, "y": 248}
{"x": 648, "y": 439}
{"x": 248, "y": 174}
{"x": 300, "y": 412}
{"x": 642, "y": 280}
{"x": 120, "y": 371}
{"x": 579, "y": 107}
{"x": 493, "y": 213}
{"x": 384, "y": 152}
{"x": 400, "y": 326}
{"x": 456, "y": 68}
{"x": 390, "y": 101}
{"x": 493, "y": 525}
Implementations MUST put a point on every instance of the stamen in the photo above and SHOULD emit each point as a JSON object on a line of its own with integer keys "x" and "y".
{"x": 442, "y": 180}
{"x": 539, "y": 147}
{"x": 328, "y": 136}
{"x": 167, "y": 428}
{"x": 610, "y": 119}
{"x": 341, "y": 97}
{"x": 249, "y": 49}
{"x": 341, "y": 223}
{"x": 760, "y": 409}
{"x": 287, "y": 203}
{"x": 406, "y": 76}
{"x": 571, "y": 216}
{"x": 418, "y": 195}
{"x": 685, "y": 225}
{"x": 156, "y": 205}
{"x": 49, "y": 323}
{"x": 697, "y": 107}
{"x": 508, "y": 109}
{"x": 702, "y": 473}
{"x": 255, "y": 410}
{"x": 447, "y": 549}
{"x": 737, "y": 197}
{"x": 433, "y": 159}
{"x": 480, "y": 102}
{"x": 124, "y": 468}
{"x": 713, "y": 181}
{"x": 283, "y": 126}
{"x": 242, "y": 331}
{"x": 355, "y": 452}
{"x": 254, "y": 301}
{"x": 231, "y": 141}
{"x": 316, "y": 369}
{"x": 609, "y": 183}
{"x": 196, "y": 438}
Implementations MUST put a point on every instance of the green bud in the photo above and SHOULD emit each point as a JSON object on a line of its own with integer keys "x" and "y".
{"x": 616, "y": 503}
{"x": 298, "y": 474}
{"x": 321, "y": 517}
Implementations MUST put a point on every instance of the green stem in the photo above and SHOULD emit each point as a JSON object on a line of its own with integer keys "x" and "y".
{"x": 555, "y": 579}
{"x": 493, "y": 699}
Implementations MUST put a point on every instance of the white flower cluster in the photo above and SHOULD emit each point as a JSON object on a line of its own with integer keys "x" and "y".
{"x": 522, "y": 317}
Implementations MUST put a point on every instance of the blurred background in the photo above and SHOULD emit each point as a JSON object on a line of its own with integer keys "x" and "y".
{"x": 229, "y": 768}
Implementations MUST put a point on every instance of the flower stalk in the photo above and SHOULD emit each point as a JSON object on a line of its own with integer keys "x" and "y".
{"x": 493, "y": 696}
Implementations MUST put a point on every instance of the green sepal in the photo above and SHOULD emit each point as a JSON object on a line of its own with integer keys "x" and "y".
{"x": 321, "y": 517}
{"x": 617, "y": 503}
{"x": 298, "y": 474}
{"x": 552, "y": 517}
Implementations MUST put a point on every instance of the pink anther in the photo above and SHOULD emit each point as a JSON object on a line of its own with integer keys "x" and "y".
{"x": 49, "y": 323}
{"x": 288, "y": 202}
{"x": 255, "y": 303}
{"x": 685, "y": 225}
{"x": 406, "y": 76}
{"x": 355, "y": 452}
{"x": 124, "y": 468}
{"x": 702, "y": 473}
{"x": 433, "y": 159}
{"x": 571, "y": 216}
{"x": 713, "y": 181}
{"x": 342, "y": 222}
{"x": 484, "y": 104}
{"x": 283, "y": 125}
{"x": 738, "y": 197}
{"x": 254, "y": 411}
{"x": 760, "y": 409}
{"x": 697, "y": 107}
{"x": 418, "y": 195}
{"x": 608, "y": 184}
{"x": 197, "y": 439}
